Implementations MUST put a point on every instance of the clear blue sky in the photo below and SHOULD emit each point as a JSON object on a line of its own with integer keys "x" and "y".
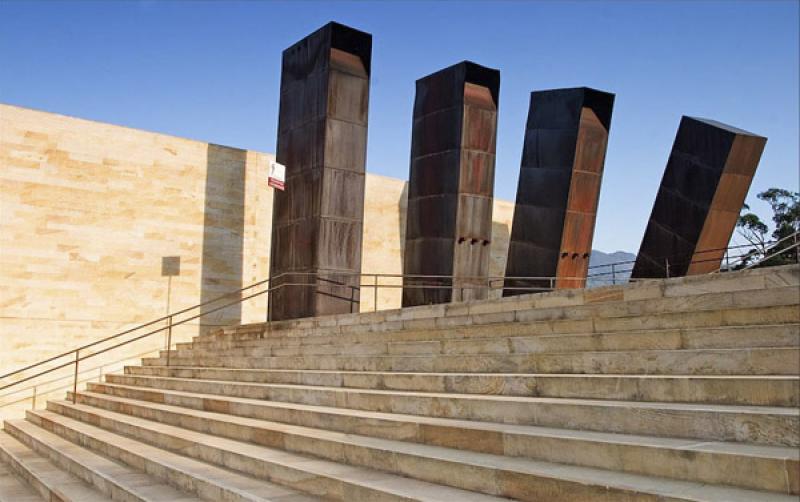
{"x": 210, "y": 71}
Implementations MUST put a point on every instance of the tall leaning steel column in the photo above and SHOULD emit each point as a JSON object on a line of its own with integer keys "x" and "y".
{"x": 449, "y": 219}
{"x": 704, "y": 186}
{"x": 322, "y": 140}
{"x": 559, "y": 186}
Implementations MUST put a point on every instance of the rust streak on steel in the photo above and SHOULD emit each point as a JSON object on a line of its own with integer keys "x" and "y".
{"x": 322, "y": 140}
{"x": 449, "y": 219}
{"x": 559, "y": 186}
{"x": 699, "y": 200}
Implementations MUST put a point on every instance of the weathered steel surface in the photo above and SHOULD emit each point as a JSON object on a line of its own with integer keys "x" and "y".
{"x": 704, "y": 186}
{"x": 322, "y": 141}
{"x": 559, "y": 185}
{"x": 449, "y": 219}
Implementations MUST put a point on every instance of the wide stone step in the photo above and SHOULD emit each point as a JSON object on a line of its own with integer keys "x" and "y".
{"x": 759, "y": 390}
{"x": 736, "y": 337}
{"x": 12, "y": 489}
{"x": 765, "y": 425}
{"x": 743, "y": 289}
{"x": 465, "y": 341}
{"x": 486, "y": 474}
{"x": 317, "y": 477}
{"x": 756, "y": 361}
{"x": 522, "y": 323}
{"x": 64, "y": 471}
{"x": 144, "y": 473}
{"x": 40, "y": 475}
{"x": 755, "y": 467}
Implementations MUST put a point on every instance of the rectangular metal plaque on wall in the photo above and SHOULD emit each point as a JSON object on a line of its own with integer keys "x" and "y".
{"x": 559, "y": 186}
{"x": 322, "y": 141}
{"x": 699, "y": 200}
{"x": 449, "y": 219}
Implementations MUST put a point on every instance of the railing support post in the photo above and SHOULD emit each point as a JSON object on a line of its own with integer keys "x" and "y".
{"x": 375, "y": 292}
{"x": 75, "y": 377}
{"x": 33, "y": 399}
{"x": 613, "y": 275}
{"x": 169, "y": 338}
{"x": 796, "y": 249}
{"x": 666, "y": 266}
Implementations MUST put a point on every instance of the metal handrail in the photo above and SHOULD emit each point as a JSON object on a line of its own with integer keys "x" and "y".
{"x": 35, "y": 387}
{"x": 135, "y": 328}
{"x": 480, "y": 283}
{"x": 690, "y": 261}
{"x": 170, "y": 317}
{"x": 773, "y": 252}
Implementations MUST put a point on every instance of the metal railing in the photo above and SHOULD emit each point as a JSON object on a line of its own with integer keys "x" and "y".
{"x": 775, "y": 250}
{"x": 372, "y": 281}
{"x": 733, "y": 258}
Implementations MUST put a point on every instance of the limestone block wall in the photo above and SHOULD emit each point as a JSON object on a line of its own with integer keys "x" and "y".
{"x": 88, "y": 210}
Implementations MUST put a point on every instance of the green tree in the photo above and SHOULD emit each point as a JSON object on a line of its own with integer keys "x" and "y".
{"x": 785, "y": 206}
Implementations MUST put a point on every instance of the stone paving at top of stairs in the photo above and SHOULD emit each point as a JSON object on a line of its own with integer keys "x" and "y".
{"x": 733, "y": 290}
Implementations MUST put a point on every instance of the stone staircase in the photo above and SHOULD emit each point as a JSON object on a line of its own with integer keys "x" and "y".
{"x": 680, "y": 389}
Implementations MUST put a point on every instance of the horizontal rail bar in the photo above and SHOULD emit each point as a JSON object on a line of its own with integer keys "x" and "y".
{"x": 485, "y": 282}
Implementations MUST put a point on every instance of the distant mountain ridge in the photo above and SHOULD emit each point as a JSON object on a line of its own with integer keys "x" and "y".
{"x": 601, "y": 272}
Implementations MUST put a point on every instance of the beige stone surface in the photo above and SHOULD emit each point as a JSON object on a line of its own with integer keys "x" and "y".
{"x": 88, "y": 210}
{"x": 13, "y": 489}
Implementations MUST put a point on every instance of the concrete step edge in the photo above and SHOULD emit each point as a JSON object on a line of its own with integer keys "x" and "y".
{"x": 477, "y": 464}
{"x": 745, "y": 281}
{"x": 681, "y": 451}
{"x": 14, "y": 489}
{"x": 720, "y": 423}
{"x": 659, "y": 361}
{"x": 790, "y": 411}
{"x": 387, "y": 346}
{"x": 300, "y": 464}
{"x": 462, "y": 334}
{"x": 781, "y": 390}
{"x": 476, "y": 374}
{"x": 43, "y": 476}
{"x": 753, "y": 315}
{"x": 174, "y": 489}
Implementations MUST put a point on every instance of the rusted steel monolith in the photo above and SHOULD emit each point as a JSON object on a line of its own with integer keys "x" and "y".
{"x": 322, "y": 141}
{"x": 701, "y": 195}
{"x": 559, "y": 186}
{"x": 449, "y": 219}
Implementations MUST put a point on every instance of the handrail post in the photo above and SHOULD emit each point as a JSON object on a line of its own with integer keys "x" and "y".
{"x": 796, "y": 249}
{"x": 169, "y": 338}
{"x": 666, "y": 266}
{"x": 75, "y": 378}
{"x": 613, "y": 275}
{"x": 33, "y": 399}
{"x": 375, "y": 304}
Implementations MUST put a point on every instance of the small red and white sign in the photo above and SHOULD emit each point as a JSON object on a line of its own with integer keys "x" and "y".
{"x": 277, "y": 176}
